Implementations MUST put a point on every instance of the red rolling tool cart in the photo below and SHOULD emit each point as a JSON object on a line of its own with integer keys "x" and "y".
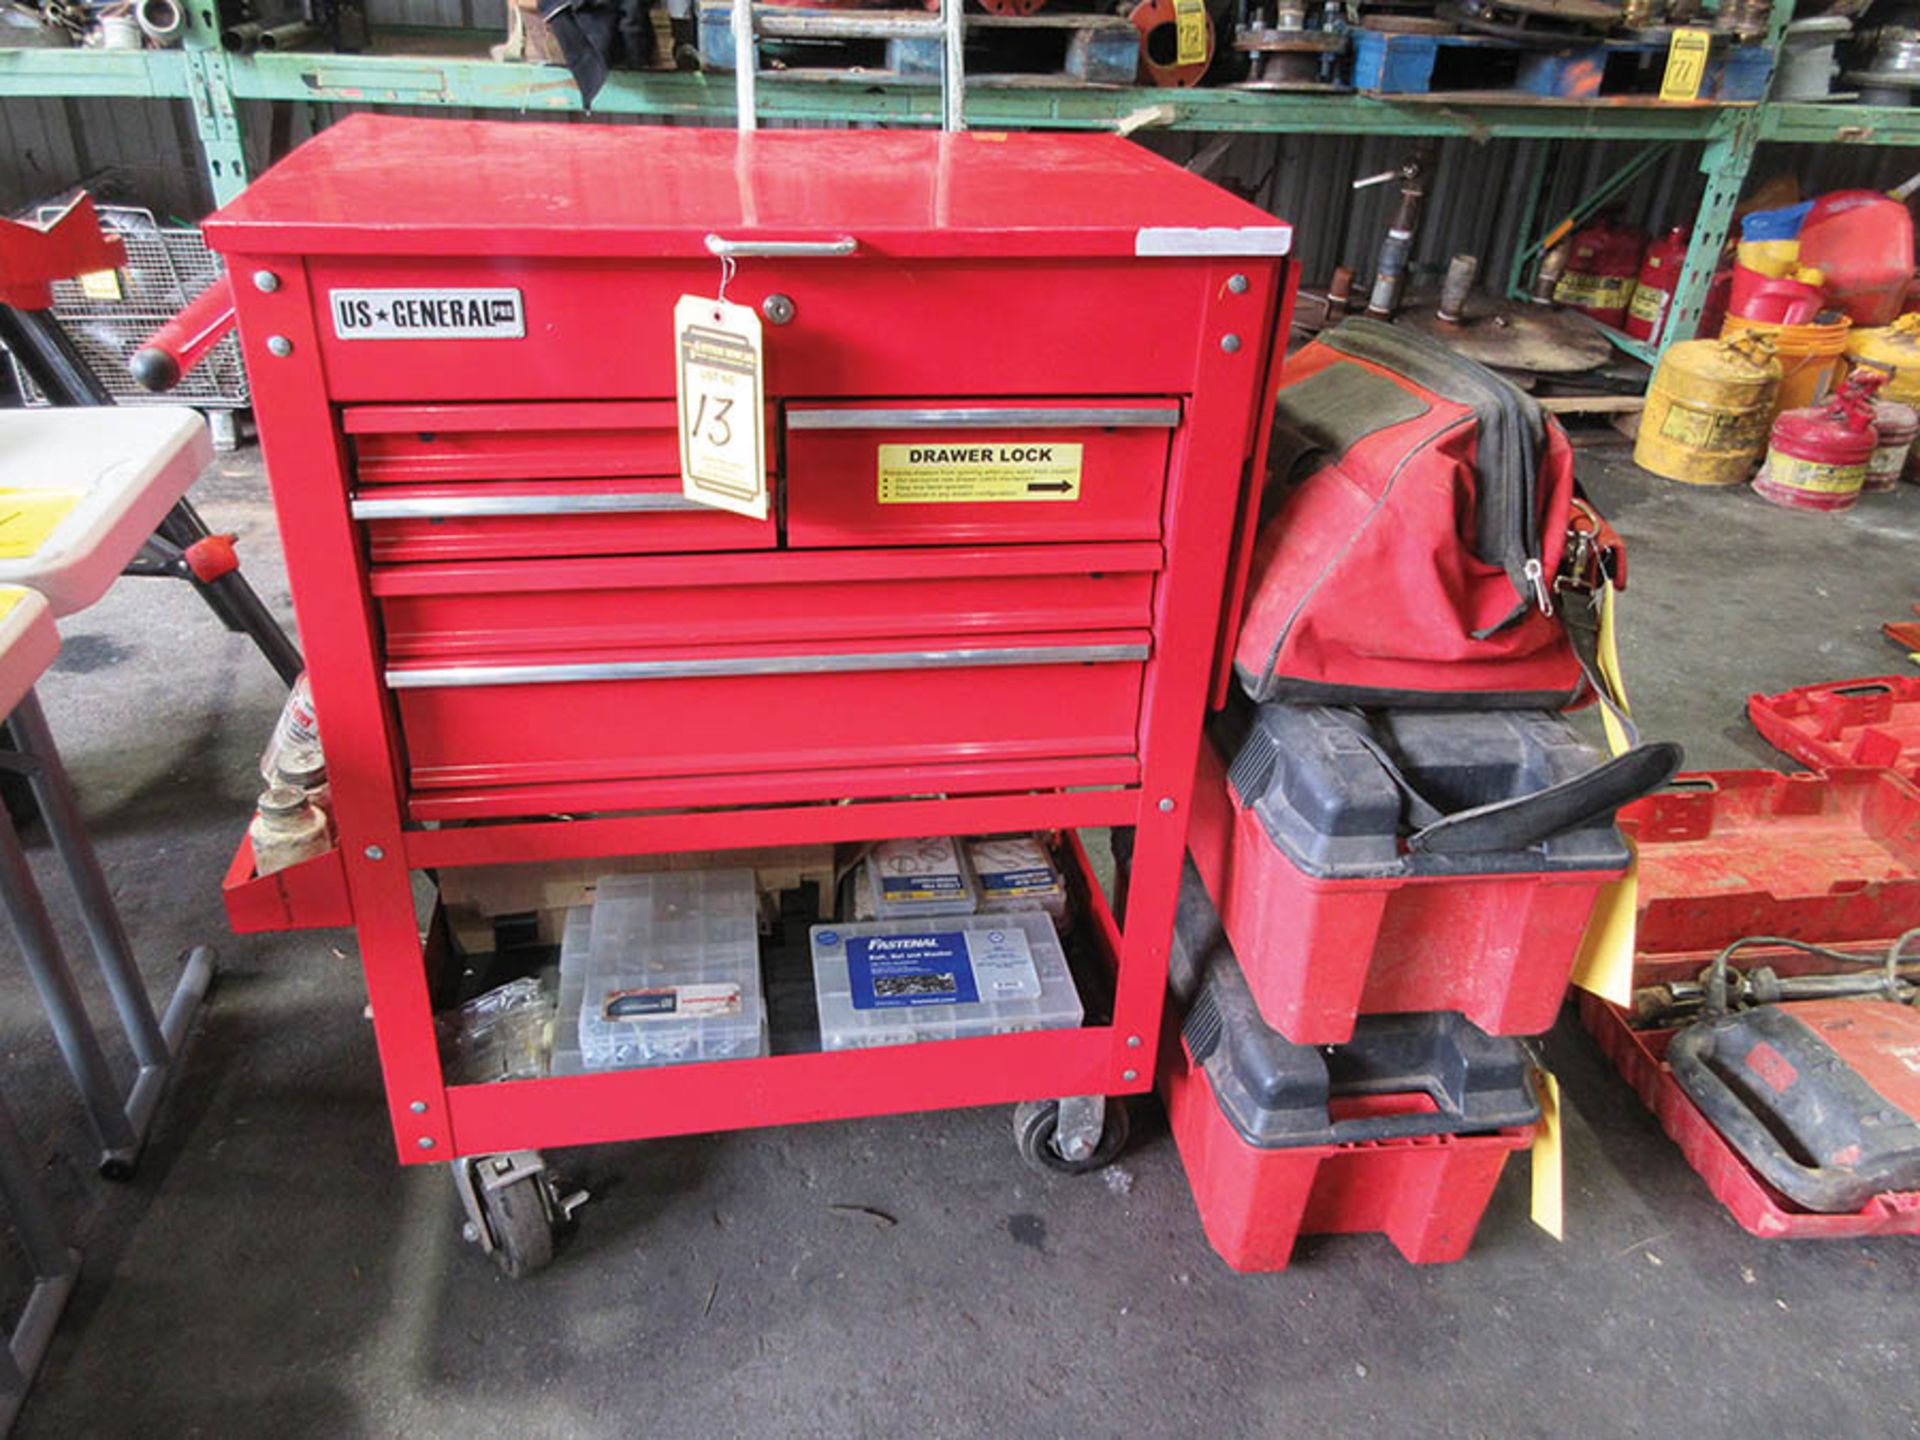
{"x": 524, "y": 645}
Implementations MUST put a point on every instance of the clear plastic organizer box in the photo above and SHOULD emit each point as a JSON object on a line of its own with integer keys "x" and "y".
{"x": 925, "y": 876}
{"x": 661, "y": 970}
{"x": 1015, "y": 872}
{"x": 898, "y": 982}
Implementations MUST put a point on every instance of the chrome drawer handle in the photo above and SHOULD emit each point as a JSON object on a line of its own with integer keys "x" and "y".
{"x": 454, "y": 507}
{"x": 991, "y": 417}
{"x": 780, "y": 249}
{"x": 467, "y": 676}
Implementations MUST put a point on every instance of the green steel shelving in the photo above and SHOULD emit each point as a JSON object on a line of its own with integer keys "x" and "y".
{"x": 429, "y": 69}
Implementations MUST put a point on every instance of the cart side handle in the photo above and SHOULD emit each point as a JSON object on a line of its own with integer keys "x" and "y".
{"x": 185, "y": 340}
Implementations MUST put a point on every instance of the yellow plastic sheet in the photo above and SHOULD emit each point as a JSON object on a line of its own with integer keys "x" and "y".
{"x": 28, "y": 517}
{"x": 1549, "y": 1191}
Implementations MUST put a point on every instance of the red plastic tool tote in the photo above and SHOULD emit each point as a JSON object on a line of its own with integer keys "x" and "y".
{"x": 1403, "y": 1132}
{"x": 1333, "y": 918}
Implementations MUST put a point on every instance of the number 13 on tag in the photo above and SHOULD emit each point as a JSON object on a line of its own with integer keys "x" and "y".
{"x": 723, "y": 448}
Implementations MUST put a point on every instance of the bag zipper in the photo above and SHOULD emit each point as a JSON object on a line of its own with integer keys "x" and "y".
{"x": 1507, "y": 501}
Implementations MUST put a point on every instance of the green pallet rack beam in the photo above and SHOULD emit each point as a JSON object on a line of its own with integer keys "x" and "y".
{"x": 414, "y": 68}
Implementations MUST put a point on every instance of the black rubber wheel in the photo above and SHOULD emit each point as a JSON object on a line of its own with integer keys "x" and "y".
{"x": 521, "y": 1227}
{"x": 1034, "y": 1122}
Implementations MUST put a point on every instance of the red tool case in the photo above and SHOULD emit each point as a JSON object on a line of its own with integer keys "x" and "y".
{"x": 523, "y": 646}
{"x": 1832, "y": 859}
{"x": 1403, "y": 1131}
{"x": 1870, "y": 722}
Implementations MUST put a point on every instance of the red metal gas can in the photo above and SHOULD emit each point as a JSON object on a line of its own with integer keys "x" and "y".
{"x": 1653, "y": 293}
{"x": 1817, "y": 457}
{"x": 1603, "y": 266}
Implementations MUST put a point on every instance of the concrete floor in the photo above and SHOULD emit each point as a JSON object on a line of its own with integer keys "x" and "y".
{"x": 271, "y": 1269}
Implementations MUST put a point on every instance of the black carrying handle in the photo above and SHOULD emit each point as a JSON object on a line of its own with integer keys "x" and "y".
{"x": 1690, "y": 1057}
{"x": 1528, "y": 820}
{"x": 1569, "y": 805}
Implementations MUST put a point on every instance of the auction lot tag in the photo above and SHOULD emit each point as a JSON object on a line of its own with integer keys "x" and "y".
{"x": 1549, "y": 1206}
{"x": 723, "y": 445}
{"x": 1686, "y": 64}
{"x": 1189, "y": 32}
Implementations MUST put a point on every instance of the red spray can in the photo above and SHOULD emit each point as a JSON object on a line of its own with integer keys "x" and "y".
{"x": 1653, "y": 293}
{"x": 1603, "y": 265}
{"x": 1817, "y": 457}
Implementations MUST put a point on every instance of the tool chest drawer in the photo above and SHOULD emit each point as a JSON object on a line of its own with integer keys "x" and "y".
{"x": 761, "y": 709}
{"x": 568, "y": 608}
{"x": 637, "y": 515}
{"x": 959, "y": 471}
{"x": 440, "y": 482}
{"x": 862, "y": 324}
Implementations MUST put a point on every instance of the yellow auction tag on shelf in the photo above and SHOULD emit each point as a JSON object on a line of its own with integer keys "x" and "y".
{"x": 721, "y": 392}
{"x": 1549, "y": 1191}
{"x": 1686, "y": 64}
{"x": 1189, "y": 32}
{"x": 101, "y": 285}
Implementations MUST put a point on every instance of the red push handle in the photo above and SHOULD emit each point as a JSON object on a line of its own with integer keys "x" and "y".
{"x": 184, "y": 341}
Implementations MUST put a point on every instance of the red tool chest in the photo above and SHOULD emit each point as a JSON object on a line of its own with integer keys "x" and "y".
{"x": 524, "y": 643}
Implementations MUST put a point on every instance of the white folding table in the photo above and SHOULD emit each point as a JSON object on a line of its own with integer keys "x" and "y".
{"x": 80, "y": 491}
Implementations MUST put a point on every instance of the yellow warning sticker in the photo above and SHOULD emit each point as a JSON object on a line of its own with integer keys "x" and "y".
{"x": 1790, "y": 472}
{"x": 29, "y": 516}
{"x": 1604, "y": 292}
{"x": 1716, "y": 429}
{"x": 961, "y": 473}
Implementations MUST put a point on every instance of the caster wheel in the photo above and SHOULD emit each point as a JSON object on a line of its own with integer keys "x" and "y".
{"x": 1034, "y": 1122}
{"x": 522, "y": 1227}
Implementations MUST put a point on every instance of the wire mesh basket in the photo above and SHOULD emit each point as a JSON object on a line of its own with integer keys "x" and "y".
{"x": 166, "y": 267}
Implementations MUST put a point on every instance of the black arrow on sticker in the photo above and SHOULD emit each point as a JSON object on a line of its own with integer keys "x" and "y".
{"x": 1060, "y": 487}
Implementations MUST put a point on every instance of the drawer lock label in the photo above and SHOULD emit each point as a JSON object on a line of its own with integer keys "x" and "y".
{"x": 960, "y": 473}
{"x": 414, "y": 314}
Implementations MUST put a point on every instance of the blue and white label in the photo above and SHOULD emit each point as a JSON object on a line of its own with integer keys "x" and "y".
{"x": 922, "y": 887}
{"x": 945, "y": 967}
{"x": 1003, "y": 965}
{"x": 1034, "y": 880}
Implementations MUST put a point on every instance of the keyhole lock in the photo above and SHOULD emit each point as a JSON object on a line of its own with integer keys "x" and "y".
{"x": 777, "y": 308}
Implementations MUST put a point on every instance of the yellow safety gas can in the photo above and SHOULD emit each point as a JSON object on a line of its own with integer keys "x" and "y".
{"x": 1708, "y": 410}
{"x": 1895, "y": 349}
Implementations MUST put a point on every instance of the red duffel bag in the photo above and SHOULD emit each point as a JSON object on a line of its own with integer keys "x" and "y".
{"x": 1415, "y": 524}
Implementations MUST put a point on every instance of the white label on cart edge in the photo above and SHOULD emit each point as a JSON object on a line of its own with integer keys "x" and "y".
{"x": 415, "y": 314}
